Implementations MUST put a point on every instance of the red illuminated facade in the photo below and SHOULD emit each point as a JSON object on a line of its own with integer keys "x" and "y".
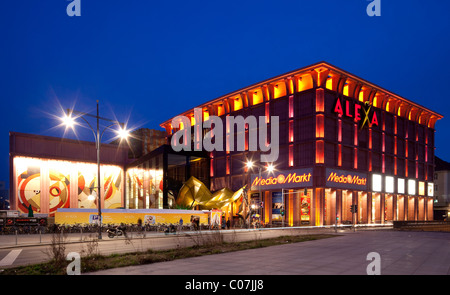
{"x": 343, "y": 141}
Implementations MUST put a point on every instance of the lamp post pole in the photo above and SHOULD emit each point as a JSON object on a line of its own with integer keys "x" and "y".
{"x": 98, "y": 178}
{"x": 260, "y": 197}
{"x": 98, "y": 139}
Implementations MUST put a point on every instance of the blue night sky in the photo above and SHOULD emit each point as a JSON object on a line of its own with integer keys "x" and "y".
{"x": 147, "y": 61}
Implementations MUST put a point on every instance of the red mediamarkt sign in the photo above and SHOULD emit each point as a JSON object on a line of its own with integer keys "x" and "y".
{"x": 298, "y": 178}
{"x": 346, "y": 179}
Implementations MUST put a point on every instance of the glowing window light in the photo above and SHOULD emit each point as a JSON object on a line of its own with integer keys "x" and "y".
{"x": 421, "y": 188}
{"x": 291, "y": 155}
{"x": 400, "y": 186}
{"x": 376, "y": 182}
{"x": 291, "y": 106}
{"x": 237, "y": 104}
{"x": 345, "y": 91}
{"x": 430, "y": 189}
{"x": 257, "y": 97}
{"x": 389, "y": 184}
{"x": 411, "y": 187}
{"x": 329, "y": 83}
{"x": 361, "y": 95}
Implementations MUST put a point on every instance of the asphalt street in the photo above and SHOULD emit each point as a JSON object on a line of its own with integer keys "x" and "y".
{"x": 381, "y": 251}
{"x": 31, "y": 249}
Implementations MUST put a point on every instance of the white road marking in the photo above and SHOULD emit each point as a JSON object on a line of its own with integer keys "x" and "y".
{"x": 10, "y": 258}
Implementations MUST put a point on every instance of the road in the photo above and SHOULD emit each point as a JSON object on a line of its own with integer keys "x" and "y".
{"x": 32, "y": 249}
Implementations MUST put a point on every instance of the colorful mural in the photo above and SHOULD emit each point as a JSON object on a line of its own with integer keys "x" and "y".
{"x": 87, "y": 181}
{"x": 59, "y": 190}
{"x": 47, "y": 185}
{"x": 29, "y": 188}
{"x": 112, "y": 186}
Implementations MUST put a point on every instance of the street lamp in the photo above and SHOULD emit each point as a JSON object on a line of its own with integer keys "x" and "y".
{"x": 269, "y": 168}
{"x": 69, "y": 121}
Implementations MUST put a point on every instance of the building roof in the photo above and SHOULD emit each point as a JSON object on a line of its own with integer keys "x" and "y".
{"x": 441, "y": 164}
{"x": 323, "y": 74}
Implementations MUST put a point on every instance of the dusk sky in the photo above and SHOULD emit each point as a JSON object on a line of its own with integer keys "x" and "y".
{"x": 147, "y": 61}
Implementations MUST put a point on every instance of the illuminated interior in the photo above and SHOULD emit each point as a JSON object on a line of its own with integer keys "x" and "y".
{"x": 279, "y": 89}
{"x": 304, "y": 82}
{"x": 47, "y": 185}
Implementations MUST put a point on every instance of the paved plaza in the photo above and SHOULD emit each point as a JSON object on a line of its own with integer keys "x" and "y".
{"x": 400, "y": 252}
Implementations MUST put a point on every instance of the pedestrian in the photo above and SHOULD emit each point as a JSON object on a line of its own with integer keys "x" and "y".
{"x": 181, "y": 224}
{"x": 228, "y": 223}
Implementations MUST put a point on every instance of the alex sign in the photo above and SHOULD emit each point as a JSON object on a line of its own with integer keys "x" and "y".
{"x": 346, "y": 179}
{"x": 357, "y": 111}
{"x": 282, "y": 179}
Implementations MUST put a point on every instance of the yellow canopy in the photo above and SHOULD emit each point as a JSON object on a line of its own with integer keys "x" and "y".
{"x": 194, "y": 192}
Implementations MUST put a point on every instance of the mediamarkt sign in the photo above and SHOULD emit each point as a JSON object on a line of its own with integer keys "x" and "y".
{"x": 298, "y": 178}
{"x": 346, "y": 179}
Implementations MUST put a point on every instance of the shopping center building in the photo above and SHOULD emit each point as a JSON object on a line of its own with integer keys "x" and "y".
{"x": 344, "y": 143}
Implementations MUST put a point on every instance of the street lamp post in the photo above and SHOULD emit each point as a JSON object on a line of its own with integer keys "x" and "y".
{"x": 123, "y": 133}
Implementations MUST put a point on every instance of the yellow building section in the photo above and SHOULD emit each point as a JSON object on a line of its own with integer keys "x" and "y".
{"x": 129, "y": 216}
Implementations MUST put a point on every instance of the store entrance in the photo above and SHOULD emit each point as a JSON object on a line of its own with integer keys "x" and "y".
{"x": 330, "y": 207}
{"x": 388, "y": 208}
{"x": 347, "y": 202}
{"x": 400, "y": 208}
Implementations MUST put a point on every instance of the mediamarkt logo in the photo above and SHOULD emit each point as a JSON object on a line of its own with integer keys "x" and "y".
{"x": 281, "y": 179}
{"x": 350, "y": 179}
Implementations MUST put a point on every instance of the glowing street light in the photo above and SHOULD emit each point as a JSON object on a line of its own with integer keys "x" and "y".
{"x": 69, "y": 121}
{"x": 123, "y": 133}
{"x": 270, "y": 168}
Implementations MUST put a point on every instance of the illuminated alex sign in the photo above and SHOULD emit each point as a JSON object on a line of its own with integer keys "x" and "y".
{"x": 346, "y": 179}
{"x": 282, "y": 179}
{"x": 357, "y": 111}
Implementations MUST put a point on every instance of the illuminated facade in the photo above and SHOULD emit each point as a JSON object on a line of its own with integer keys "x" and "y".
{"x": 155, "y": 179}
{"x": 343, "y": 142}
{"x": 49, "y": 173}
